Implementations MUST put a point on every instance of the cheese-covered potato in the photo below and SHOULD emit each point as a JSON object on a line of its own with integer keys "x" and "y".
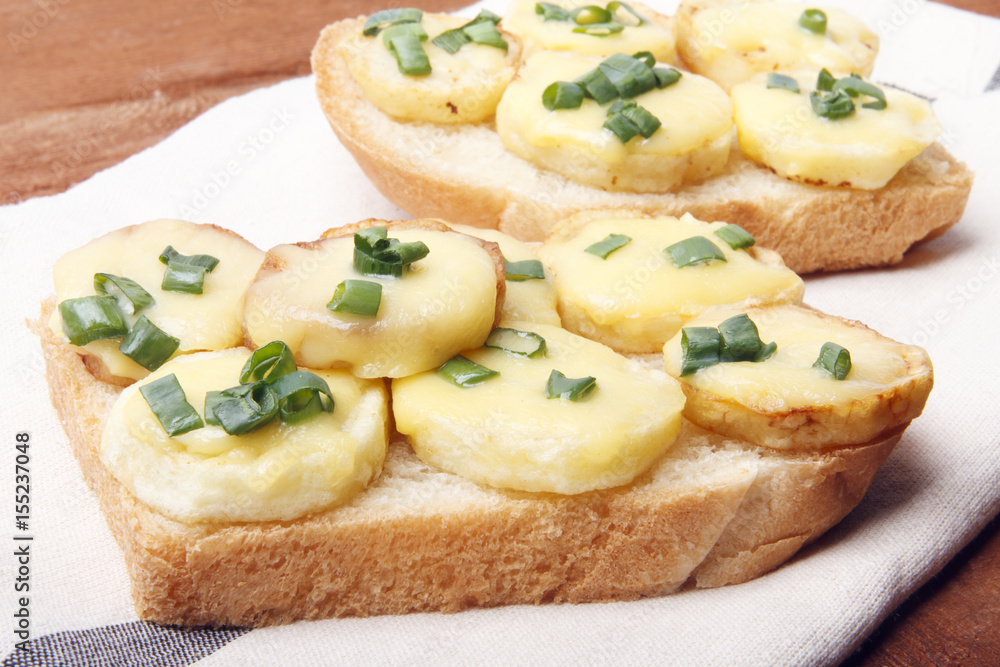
{"x": 780, "y": 129}
{"x": 442, "y": 304}
{"x": 785, "y": 402}
{"x": 462, "y": 87}
{"x": 732, "y": 40}
{"x": 505, "y": 432}
{"x": 691, "y": 144}
{"x": 280, "y": 471}
{"x": 530, "y": 299}
{"x": 207, "y": 321}
{"x": 636, "y": 299}
{"x": 650, "y": 31}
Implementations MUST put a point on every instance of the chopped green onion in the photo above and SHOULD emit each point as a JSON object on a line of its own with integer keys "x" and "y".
{"x": 600, "y": 29}
{"x": 573, "y": 389}
{"x": 666, "y": 76}
{"x": 614, "y": 6}
{"x": 735, "y": 236}
{"x": 135, "y": 297}
{"x": 855, "y": 86}
{"x": 388, "y": 17}
{"x": 358, "y": 297}
{"x": 825, "y": 80}
{"x": 485, "y": 32}
{"x": 377, "y": 255}
{"x": 813, "y": 20}
{"x": 187, "y": 278}
{"x": 835, "y": 360}
{"x": 550, "y": 12}
{"x": 562, "y": 95}
{"x": 268, "y": 363}
{"x": 522, "y": 343}
{"x": 627, "y": 119}
{"x": 645, "y": 57}
{"x": 300, "y": 395}
{"x": 405, "y": 45}
{"x": 590, "y": 14}
{"x": 700, "y": 348}
{"x": 629, "y": 76}
{"x": 452, "y": 40}
{"x": 148, "y": 345}
{"x": 415, "y": 29}
{"x": 169, "y": 256}
{"x": 740, "y": 339}
{"x": 597, "y": 86}
{"x": 765, "y": 352}
{"x": 371, "y": 239}
{"x": 695, "y": 250}
{"x": 464, "y": 372}
{"x": 481, "y": 30}
{"x": 783, "y": 82}
{"x": 166, "y": 399}
{"x": 242, "y": 409}
{"x": 91, "y": 318}
{"x": 528, "y": 269}
{"x": 608, "y": 245}
{"x": 832, "y": 106}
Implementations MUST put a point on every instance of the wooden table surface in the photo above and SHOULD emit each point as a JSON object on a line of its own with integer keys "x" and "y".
{"x": 86, "y": 83}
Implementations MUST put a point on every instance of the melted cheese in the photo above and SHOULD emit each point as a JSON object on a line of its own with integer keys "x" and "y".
{"x": 463, "y": 87}
{"x": 636, "y": 299}
{"x": 279, "y": 471}
{"x": 506, "y": 433}
{"x": 529, "y": 300}
{"x": 864, "y": 150}
{"x": 538, "y": 34}
{"x": 787, "y": 381}
{"x": 735, "y": 40}
{"x": 208, "y": 321}
{"x": 692, "y": 143}
{"x": 444, "y": 303}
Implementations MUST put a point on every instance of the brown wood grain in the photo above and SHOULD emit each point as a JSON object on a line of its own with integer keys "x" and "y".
{"x": 86, "y": 83}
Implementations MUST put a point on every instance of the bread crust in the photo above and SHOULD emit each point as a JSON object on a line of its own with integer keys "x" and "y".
{"x": 711, "y": 512}
{"x": 434, "y": 171}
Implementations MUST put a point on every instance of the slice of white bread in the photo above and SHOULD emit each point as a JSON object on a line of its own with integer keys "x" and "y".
{"x": 464, "y": 174}
{"x": 713, "y": 511}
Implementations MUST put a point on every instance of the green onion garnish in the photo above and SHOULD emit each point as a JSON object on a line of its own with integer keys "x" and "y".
{"x": 464, "y": 372}
{"x": 590, "y": 14}
{"x": 646, "y": 57}
{"x": 783, "y": 82}
{"x": 301, "y": 395}
{"x": 388, "y": 17}
{"x": 404, "y": 43}
{"x": 825, "y": 80}
{"x": 735, "y": 236}
{"x": 573, "y": 389}
{"x": 377, "y": 255}
{"x": 485, "y": 32}
{"x": 740, "y": 339}
{"x": 135, "y": 298}
{"x": 627, "y": 119}
{"x": 813, "y": 20}
{"x": 700, "y": 348}
{"x": 268, "y": 363}
{"x": 242, "y": 409}
{"x": 481, "y": 30}
{"x": 550, "y": 12}
{"x": 695, "y": 250}
{"x": 522, "y": 343}
{"x": 186, "y": 278}
{"x": 832, "y": 106}
{"x": 148, "y": 345}
{"x": 600, "y": 29}
{"x": 528, "y": 269}
{"x": 615, "y": 5}
{"x": 629, "y": 76}
{"x": 835, "y": 360}
{"x": 666, "y": 76}
{"x": 765, "y": 352}
{"x": 562, "y": 95}
{"x": 597, "y": 86}
{"x": 452, "y": 40}
{"x": 608, "y": 245}
{"x": 166, "y": 399}
{"x": 169, "y": 256}
{"x": 855, "y": 86}
{"x": 358, "y": 297}
{"x": 91, "y": 318}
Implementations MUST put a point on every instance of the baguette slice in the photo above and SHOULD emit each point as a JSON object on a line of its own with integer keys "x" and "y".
{"x": 464, "y": 174}
{"x": 714, "y": 511}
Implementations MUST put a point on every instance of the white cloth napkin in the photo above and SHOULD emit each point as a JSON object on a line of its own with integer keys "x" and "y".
{"x": 267, "y": 165}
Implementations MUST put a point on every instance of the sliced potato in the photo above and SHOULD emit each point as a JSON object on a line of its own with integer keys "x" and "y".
{"x": 506, "y": 433}
{"x": 636, "y": 299}
{"x": 786, "y": 403}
